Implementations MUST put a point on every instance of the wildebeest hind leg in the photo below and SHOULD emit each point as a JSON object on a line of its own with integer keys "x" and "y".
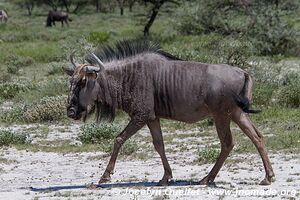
{"x": 252, "y": 132}
{"x": 158, "y": 143}
{"x": 130, "y": 130}
{"x": 225, "y": 136}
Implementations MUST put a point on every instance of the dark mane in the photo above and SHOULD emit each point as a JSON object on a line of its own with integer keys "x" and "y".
{"x": 128, "y": 48}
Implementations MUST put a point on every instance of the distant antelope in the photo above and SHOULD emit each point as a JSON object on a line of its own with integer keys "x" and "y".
{"x": 3, "y": 16}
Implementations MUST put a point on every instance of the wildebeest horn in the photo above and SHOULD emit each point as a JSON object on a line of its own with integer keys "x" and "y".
{"x": 91, "y": 69}
{"x": 72, "y": 59}
{"x": 99, "y": 62}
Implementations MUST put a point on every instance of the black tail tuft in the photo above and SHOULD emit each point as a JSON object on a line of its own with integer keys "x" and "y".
{"x": 244, "y": 104}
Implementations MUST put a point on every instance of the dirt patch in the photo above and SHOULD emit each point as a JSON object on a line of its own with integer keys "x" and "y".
{"x": 241, "y": 173}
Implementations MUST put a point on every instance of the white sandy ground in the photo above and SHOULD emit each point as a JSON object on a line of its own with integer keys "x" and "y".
{"x": 240, "y": 175}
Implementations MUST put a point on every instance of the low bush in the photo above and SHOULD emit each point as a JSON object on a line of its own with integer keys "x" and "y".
{"x": 13, "y": 115}
{"x": 47, "y": 88}
{"x": 263, "y": 94}
{"x": 98, "y": 37}
{"x": 46, "y": 109}
{"x": 98, "y": 133}
{"x": 55, "y": 68}
{"x": 263, "y": 23}
{"x": 208, "y": 155}
{"x": 129, "y": 147}
{"x": 11, "y": 138}
{"x": 9, "y": 90}
{"x": 5, "y": 77}
{"x": 289, "y": 95}
{"x": 15, "y": 62}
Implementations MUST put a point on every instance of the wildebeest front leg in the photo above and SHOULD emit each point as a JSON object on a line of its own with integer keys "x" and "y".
{"x": 158, "y": 143}
{"x": 130, "y": 130}
{"x": 251, "y": 131}
{"x": 225, "y": 136}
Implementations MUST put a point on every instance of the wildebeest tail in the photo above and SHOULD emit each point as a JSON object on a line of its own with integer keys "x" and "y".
{"x": 243, "y": 100}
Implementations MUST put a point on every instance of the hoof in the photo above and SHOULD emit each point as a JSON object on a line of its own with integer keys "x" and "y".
{"x": 267, "y": 181}
{"x": 211, "y": 184}
{"x": 204, "y": 181}
{"x": 163, "y": 182}
{"x": 104, "y": 179}
{"x": 92, "y": 186}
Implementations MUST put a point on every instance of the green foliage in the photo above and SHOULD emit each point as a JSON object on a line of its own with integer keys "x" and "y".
{"x": 46, "y": 109}
{"x": 13, "y": 115}
{"x": 98, "y": 133}
{"x": 129, "y": 147}
{"x": 289, "y": 95}
{"x": 55, "y": 68}
{"x": 40, "y": 52}
{"x": 103, "y": 135}
{"x": 235, "y": 52}
{"x": 11, "y": 89}
{"x": 5, "y": 77}
{"x": 14, "y": 63}
{"x": 270, "y": 33}
{"x": 210, "y": 16}
{"x": 284, "y": 139}
{"x": 263, "y": 94}
{"x": 98, "y": 37}
{"x": 208, "y": 155}
{"x": 47, "y": 88}
{"x": 11, "y": 138}
{"x": 262, "y": 23}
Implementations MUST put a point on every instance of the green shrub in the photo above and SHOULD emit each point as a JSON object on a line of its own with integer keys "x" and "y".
{"x": 5, "y": 77}
{"x": 13, "y": 115}
{"x": 10, "y": 138}
{"x": 98, "y": 37}
{"x": 235, "y": 52}
{"x": 208, "y": 155}
{"x": 55, "y": 69}
{"x": 40, "y": 51}
{"x": 46, "y": 109}
{"x": 98, "y": 133}
{"x": 210, "y": 16}
{"x": 262, "y": 23}
{"x": 46, "y": 88}
{"x": 263, "y": 94}
{"x": 129, "y": 147}
{"x": 11, "y": 89}
{"x": 15, "y": 62}
{"x": 271, "y": 34}
{"x": 289, "y": 95}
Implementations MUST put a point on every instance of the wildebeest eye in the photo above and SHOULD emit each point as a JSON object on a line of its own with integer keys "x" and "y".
{"x": 82, "y": 82}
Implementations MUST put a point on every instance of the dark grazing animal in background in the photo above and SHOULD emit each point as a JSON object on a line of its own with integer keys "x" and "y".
{"x": 59, "y": 16}
{"x": 149, "y": 84}
{"x": 3, "y": 16}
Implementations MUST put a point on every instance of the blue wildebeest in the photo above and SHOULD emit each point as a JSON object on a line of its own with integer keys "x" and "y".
{"x": 54, "y": 16}
{"x": 148, "y": 84}
{"x": 3, "y": 16}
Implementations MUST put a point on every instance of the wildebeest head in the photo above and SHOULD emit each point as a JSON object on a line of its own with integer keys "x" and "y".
{"x": 84, "y": 88}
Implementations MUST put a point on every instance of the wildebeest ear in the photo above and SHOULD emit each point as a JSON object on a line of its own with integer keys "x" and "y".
{"x": 68, "y": 71}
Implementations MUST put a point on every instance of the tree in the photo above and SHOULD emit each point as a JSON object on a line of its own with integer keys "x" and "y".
{"x": 131, "y": 4}
{"x": 121, "y": 5}
{"x": 157, "y": 4}
{"x": 28, "y": 4}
